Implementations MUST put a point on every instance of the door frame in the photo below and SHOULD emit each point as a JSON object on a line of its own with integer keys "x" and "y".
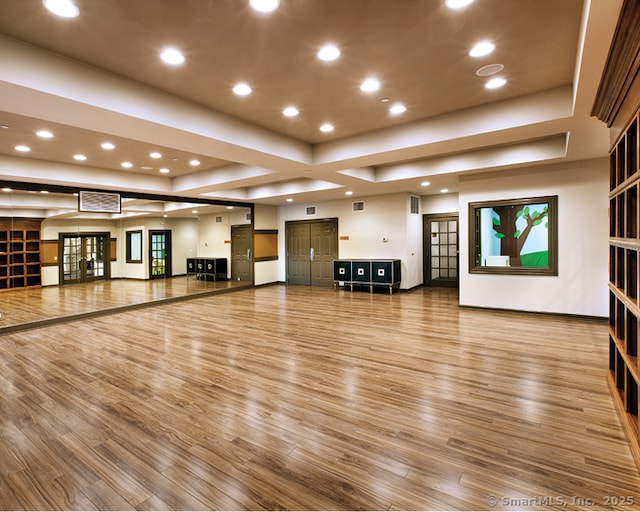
{"x": 82, "y": 235}
{"x": 167, "y": 254}
{"x": 251, "y": 258}
{"x": 427, "y": 218}
{"x": 287, "y": 226}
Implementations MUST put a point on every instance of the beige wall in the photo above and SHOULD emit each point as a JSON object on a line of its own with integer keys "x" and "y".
{"x": 580, "y": 287}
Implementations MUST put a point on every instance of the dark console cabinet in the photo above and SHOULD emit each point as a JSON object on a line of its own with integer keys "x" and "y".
{"x": 212, "y": 269}
{"x": 341, "y": 270}
{"x": 361, "y": 271}
{"x": 367, "y": 273}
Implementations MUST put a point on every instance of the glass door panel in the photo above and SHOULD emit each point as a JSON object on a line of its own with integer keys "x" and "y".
{"x": 94, "y": 254}
{"x": 71, "y": 259}
{"x": 160, "y": 254}
{"x": 441, "y": 250}
{"x": 84, "y": 258}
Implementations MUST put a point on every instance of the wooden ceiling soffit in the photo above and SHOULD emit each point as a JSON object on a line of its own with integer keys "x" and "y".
{"x": 622, "y": 64}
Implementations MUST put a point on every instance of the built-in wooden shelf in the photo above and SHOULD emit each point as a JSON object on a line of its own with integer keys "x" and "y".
{"x": 19, "y": 253}
{"x": 624, "y": 310}
{"x": 617, "y": 104}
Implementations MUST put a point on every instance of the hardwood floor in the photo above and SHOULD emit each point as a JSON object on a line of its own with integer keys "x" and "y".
{"x": 307, "y": 399}
{"x": 32, "y": 307}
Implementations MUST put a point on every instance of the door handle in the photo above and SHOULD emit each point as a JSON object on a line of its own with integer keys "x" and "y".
{"x": 312, "y": 254}
{"x": 249, "y": 254}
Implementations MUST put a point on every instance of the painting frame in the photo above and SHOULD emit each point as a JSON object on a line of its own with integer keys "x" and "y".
{"x": 509, "y": 224}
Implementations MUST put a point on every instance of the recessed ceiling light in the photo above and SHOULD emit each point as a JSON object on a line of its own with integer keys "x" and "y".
{"x": 264, "y": 5}
{"x": 44, "y": 191}
{"x": 327, "y": 127}
{"x": 79, "y": 157}
{"x": 229, "y": 207}
{"x": 194, "y": 162}
{"x": 289, "y": 200}
{"x": 444, "y": 190}
{"x": 146, "y": 167}
{"x": 328, "y": 53}
{"x": 4, "y": 126}
{"x": 155, "y": 154}
{"x": 127, "y": 165}
{"x": 370, "y": 85}
{"x": 22, "y": 148}
{"x": 384, "y": 100}
{"x": 45, "y": 134}
{"x": 291, "y": 111}
{"x": 164, "y": 170}
{"x": 107, "y": 145}
{"x": 348, "y": 193}
{"x": 64, "y": 8}
{"x": 172, "y": 56}
{"x": 194, "y": 211}
{"x": 481, "y": 49}
{"x": 6, "y": 189}
{"x": 425, "y": 183}
{"x": 489, "y": 70}
{"x": 457, "y": 4}
{"x": 495, "y": 83}
{"x": 397, "y": 108}
{"x": 241, "y": 89}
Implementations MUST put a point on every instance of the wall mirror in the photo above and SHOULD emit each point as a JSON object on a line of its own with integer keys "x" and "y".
{"x": 514, "y": 236}
{"x": 48, "y": 241}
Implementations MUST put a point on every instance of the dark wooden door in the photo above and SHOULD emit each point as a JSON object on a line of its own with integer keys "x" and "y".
{"x": 241, "y": 264}
{"x": 159, "y": 253}
{"x": 324, "y": 241}
{"x": 311, "y": 249}
{"x": 298, "y": 248}
{"x": 441, "y": 250}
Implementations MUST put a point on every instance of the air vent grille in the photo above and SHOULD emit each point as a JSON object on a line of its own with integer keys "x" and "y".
{"x": 415, "y": 205}
{"x": 310, "y": 210}
{"x": 357, "y": 206}
{"x": 98, "y": 202}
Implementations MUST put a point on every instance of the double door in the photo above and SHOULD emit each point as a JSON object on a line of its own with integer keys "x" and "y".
{"x": 84, "y": 257}
{"x": 311, "y": 249}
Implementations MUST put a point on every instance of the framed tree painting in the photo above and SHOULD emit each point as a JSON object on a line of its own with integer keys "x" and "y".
{"x": 514, "y": 236}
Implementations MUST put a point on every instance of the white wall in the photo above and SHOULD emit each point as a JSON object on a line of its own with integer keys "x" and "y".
{"x": 184, "y": 242}
{"x": 384, "y": 218}
{"x": 214, "y": 238}
{"x": 440, "y": 203}
{"x": 580, "y": 287}
{"x": 132, "y": 270}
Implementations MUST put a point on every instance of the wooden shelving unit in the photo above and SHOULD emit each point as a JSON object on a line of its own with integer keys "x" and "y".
{"x": 19, "y": 253}
{"x": 624, "y": 309}
{"x": 617, "y": 104}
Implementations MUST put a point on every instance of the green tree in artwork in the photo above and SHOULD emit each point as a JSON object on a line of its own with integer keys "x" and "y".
{"x": 512, "y": 238}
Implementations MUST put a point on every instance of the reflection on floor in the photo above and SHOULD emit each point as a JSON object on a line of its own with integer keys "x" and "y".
{"x": 34, "y": 307}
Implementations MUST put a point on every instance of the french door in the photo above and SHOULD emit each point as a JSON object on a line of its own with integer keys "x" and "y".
{"x": 159, "y": 253}
{"x": 84, "y": 258}
{"x": 441, "y": 250}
